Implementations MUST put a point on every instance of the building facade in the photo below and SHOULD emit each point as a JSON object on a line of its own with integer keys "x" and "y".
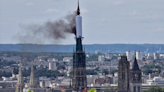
{"x": 135, "y": 78}
{"x": 139, "y": 55}
{"x": 52, "y": 66}
{"x": 101, "y": 58}
{"x": 123, "y": 75}
{"x": 129, "y": 55}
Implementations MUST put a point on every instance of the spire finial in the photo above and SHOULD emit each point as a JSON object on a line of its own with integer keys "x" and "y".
{"x": 78, "y": 9}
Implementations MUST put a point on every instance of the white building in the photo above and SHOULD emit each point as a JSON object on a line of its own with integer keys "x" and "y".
{"x": 101, "y": 58}
{"x": 139, "y": 55}
{"x": 44, "y": 84}
{"x": 157, "y": 80}
{"x": 129, "y": 55}
{"x": 156, "y": 56}
{"x": 161, "y": 56}
{"x": 67, "y": 59}
{"x": 108, "y": 55}
{"x": 150, "y": 56}
{"x": 52, "y": 66}
{"x": 7, "y": 79}
{"x": 52, "y": 59}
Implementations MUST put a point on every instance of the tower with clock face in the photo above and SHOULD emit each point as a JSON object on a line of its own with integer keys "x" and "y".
{"x": 135, "y": 78}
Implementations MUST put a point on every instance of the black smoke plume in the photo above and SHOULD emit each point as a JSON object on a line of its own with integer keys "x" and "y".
{"x": 53, "y": 31}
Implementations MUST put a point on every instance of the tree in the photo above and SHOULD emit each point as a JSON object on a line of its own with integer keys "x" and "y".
{"x": 113, "y": 71}
{"x": 61, "y": 67}
{"x": 92, "y": 90}
{"x": 105, "y": 72}
{"x": 90, "y": 72}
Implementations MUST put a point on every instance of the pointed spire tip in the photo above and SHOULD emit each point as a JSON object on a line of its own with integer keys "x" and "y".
{"x": 78, "y": 9}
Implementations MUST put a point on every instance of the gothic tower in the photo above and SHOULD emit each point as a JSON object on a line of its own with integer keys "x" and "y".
{"x": 135, "y": 78}
{"x": 123, "y": 73}
{"x": 79, "y": 80}
{"x": 32, "y": 83}
{"x": 20, "y": 83}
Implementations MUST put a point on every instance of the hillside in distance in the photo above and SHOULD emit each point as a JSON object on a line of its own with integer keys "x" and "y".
{"x": 102, "y": 48}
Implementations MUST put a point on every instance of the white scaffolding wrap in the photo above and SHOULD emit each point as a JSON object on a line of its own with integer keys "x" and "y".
{"x": 78, "y": 26}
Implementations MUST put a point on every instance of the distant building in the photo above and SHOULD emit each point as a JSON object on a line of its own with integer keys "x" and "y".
{"x": 157, "y": 80}
{"x": 39, "y": 60}
{"x": 99, "y": 81}
{"x": 139, "y": 55}
{"x": 52, "y": 66}
{"x": 96, "y": 51}
{"x": 67, "y": 59}
{"x": 108, "y": 55}
{"x": 129, "y": 55}
{"x": 52, "y": 59}
{"x": 101, "y": 58}
{"x": 150, "y": 56}
{"x": 156, "y": 56}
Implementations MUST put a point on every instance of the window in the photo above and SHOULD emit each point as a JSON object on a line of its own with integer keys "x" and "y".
{"x": 83, "y": 82}
{"x": 134, "y": 89}
{"x": 139, "y": 89}
{"x": 123, "y": 76}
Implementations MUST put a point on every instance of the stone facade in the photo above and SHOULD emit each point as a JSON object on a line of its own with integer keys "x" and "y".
{"x": 123, "y": 75}
{"x": 135, "y": 78}
{"x": 32, "y": 83}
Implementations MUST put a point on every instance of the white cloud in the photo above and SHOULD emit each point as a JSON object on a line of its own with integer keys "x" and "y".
{"x": 118, "y": 2}
{"x": 52, "y": 11}
{"x": 160, "y": 29}
{"x": 133, "y": 13}
{"x": 30, "y": 4}
{"x": 83, "y": 10}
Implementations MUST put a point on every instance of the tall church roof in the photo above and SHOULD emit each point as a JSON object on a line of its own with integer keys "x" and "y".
{"x": 135, "y": 65}
{"x": 32, "y": 83}
{"x": 20, "y": 77}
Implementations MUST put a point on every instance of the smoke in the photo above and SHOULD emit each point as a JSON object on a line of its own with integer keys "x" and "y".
{"x": 52, "y": 31}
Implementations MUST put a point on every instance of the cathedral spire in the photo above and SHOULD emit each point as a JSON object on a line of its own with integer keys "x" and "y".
{"x": 135, "y": 64}
{"x": 32, "y": 83}
{"x": 20, "y": 83}
{"x": 78, "y": 9}
{"x": 20, "y": 76}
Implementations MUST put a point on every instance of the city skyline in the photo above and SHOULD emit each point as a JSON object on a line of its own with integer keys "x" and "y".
{"x": 104, "y": 22}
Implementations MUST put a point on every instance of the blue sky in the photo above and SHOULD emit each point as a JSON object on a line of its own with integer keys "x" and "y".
{"x": 104, "y": 21}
